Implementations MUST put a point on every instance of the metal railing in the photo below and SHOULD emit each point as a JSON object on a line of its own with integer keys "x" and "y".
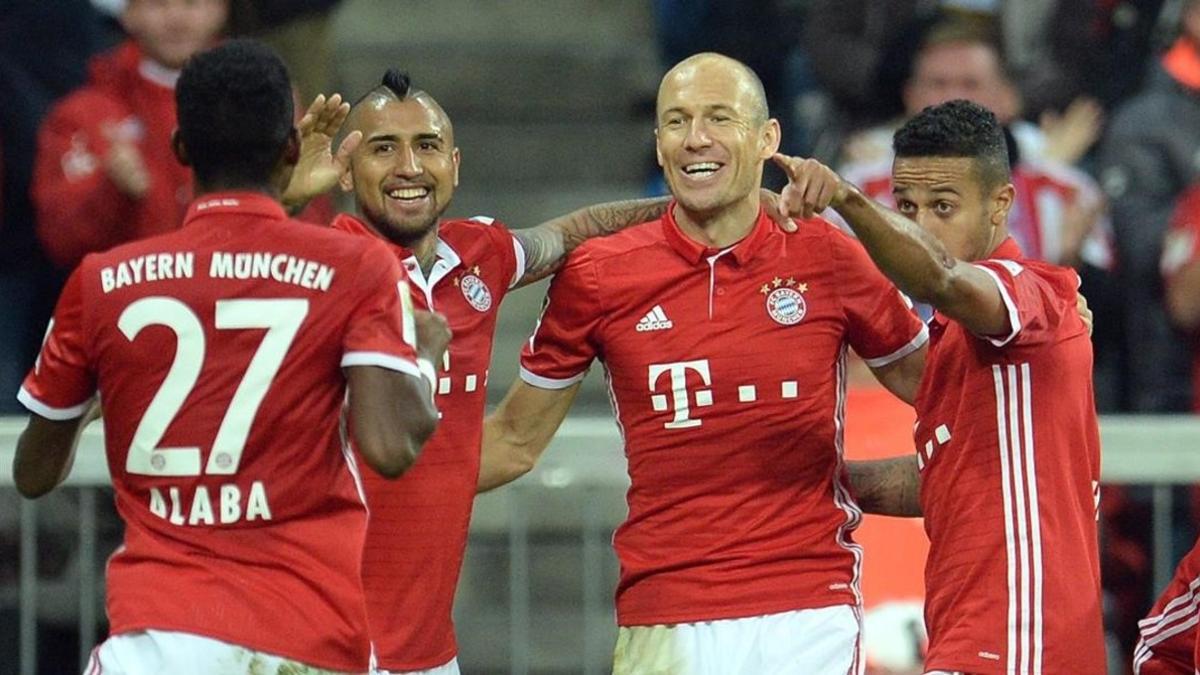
{"x": 585, "y": 460}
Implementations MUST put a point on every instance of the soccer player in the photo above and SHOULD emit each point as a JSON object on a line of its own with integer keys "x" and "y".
{"x": 223, "y": 353}
{"x": 400, "y": 162}
{"x": 1167, "y": 637}
{"x": 1007, "y": 442}
{"x": 737, "y": 554}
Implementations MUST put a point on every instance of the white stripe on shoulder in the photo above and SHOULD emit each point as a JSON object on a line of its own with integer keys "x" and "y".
{"x": 1014, "y": 268}
{"x": 550, "y": 382}
{"x": 1014, "y": 318}
{"x": 32, "y": 404}
{"x": 486, "y": 220}
{"x": 519, "y": 269}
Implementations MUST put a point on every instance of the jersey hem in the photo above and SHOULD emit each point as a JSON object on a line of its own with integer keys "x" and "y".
{"x": 414, "y": 666}
{"x": 549, "y": 382}
{"x": 273, "y": 650}
{"x": 382, "y": 360}
{"x": 625, "y": 620}
{"x": 913, "y": 345}
{"x": 33, "y": 405}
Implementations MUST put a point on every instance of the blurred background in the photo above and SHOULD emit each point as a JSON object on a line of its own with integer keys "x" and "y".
{"x": 553, "y": 107}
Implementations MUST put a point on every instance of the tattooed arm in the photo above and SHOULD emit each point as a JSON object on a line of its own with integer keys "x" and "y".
{"x": 546, "y": 245}
{"x": 888, "y": 487}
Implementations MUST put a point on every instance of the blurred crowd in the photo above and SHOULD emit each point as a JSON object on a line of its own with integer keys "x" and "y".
{"x": 1101, "y": 99}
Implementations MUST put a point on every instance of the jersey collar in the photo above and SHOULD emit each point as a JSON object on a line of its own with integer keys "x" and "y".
{"x": 694, "y": 252}
{"x": 234, "y": 202}
{"x": 447, "y": 257}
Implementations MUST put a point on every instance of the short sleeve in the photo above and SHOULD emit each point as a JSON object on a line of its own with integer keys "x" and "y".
{"x": 1035, "y": 300}
{"x": 882, "y": 325}
{"x": 562, "y": 346}
{"x": 380, "y": 330}
{"x": 508, "y": 248}
{"x": 62, "y": 382}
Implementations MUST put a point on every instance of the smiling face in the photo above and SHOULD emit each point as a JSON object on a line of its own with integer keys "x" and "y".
{"x": 949, "y": 198}
{"x": 404, "y": 172}
{"x": 713, "y": 135}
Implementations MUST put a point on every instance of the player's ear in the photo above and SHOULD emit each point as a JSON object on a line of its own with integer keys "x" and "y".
{"x": 770, "y": 139}
{"x": 346, "y": 180}
{"x": 456, "y": 157}
{"x": 178, "y": 150}
{"x": 291, "y": 148}
{"x": 1001, "y": 203}
{"x": 657, "y": 148}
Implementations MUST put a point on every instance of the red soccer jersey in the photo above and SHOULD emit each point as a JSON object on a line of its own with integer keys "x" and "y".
{"x": 1009, "y": 451}
{"x": 418, "y": 527}
{"x": 1182, "y": 249}
{"x": 218, "y": 352}
{"x": 1167, "y": 637}
{"x": 727, "y": 374}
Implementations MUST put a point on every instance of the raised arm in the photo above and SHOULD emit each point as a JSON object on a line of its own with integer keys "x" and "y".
{"x": 319, "y": 167}
{"x": 516, "y": 434}
{"x": 887, "y": 487}
{"x": 911, "y": 257}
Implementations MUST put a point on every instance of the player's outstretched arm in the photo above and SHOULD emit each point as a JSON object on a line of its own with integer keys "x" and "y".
{"x": 547, "y": 244}
{"x": 887, "y": 487}
{"x": 46, "y": 451}
{"x": 911, "y": 257}
{"x": 517, "y": 433}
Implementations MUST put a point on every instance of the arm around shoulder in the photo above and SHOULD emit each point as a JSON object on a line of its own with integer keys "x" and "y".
{"x": 517, "y": 433}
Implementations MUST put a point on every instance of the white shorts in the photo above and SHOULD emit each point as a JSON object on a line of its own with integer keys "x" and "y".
{"x": 448, "y": 668}
{"x": 821, "y": 641}
{"x": 154, "y": 652}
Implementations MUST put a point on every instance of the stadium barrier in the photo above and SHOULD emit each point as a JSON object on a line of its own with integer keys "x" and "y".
{"x": 584, "y": 461}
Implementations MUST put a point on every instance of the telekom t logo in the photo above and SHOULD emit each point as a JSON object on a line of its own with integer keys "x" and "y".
{"x": 679, "y": 391}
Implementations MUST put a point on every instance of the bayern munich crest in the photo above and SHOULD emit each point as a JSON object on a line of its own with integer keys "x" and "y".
{"x": 476, "y": 292}
{"x": 786, "y": 306}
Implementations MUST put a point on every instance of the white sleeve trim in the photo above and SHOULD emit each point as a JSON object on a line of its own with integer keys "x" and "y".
{"x": 389, "y": 361}
{"x": 50, "y": 412}
{"x": 913, "y": 345}
{"x": 1014, "y": 319}
{"x": 549, "y": 382}
{"x": 519, "y": 251}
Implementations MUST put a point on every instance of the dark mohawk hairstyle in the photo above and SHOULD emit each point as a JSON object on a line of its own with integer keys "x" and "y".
{"x": 398, "y": 82}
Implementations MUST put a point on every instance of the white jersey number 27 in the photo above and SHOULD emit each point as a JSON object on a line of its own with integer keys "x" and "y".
{"x": 282, "y": 319}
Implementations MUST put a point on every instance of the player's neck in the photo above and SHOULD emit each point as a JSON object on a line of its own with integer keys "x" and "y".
{"x": 721, "y": 228}
{"x": 425, "y": 250}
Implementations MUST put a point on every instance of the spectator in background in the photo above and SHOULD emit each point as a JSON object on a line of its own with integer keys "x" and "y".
{"x": 1149, "y": 155}
{"x": 104, "y": 173}
{"x": 1181, "y": 276}
{"x": 44, "y": 47}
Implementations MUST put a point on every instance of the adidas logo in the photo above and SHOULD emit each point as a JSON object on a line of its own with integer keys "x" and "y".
{"x": 655, "y": 319}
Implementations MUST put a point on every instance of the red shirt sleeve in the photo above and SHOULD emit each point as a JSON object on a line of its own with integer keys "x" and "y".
{"x": 512, "y": 254}
{"x": 78, "y": 208}
{"x": 380, "y": 331}
{"x": 882, "y": 325}
{"x": 62, "y": 382}
{"x": 1037, "y": 299}
{"x": 563, "y": 346}
{"x": 1182, "y": 246}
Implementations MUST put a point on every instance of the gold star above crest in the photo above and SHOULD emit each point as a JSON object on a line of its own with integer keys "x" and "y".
{"x": 776, "y": 282}
{"x": 791, "y": 282}
{"x": 802, "y": 287}
{"x": 765, "y": 289}
{"x": 475, "y": 270}
{"x": 456, "y": 281}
